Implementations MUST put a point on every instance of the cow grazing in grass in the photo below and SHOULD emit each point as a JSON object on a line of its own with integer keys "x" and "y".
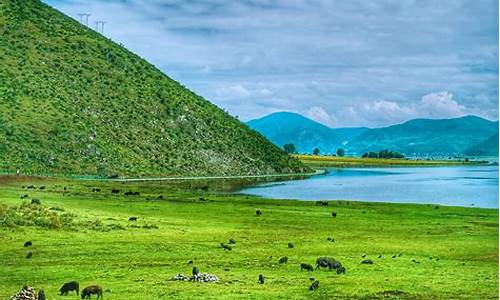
{"x": 92, "y": 290}
{"x": 290, "y": 245}
{"x": 314, "y": 285}
{"x": 132, "y": 219}
{"x": 261, "y": 279}
{"x": 29, "y": 255}
{"x": 334, "y": 214}
{"x": 367, "y": 262}
{"x": 231, "y": 241}
{"x": 28, "y": 244}
{"x": 225, "y": 247}
{"x": 115, "y": 191}
{"x": 258, "y": 213}
{"x": 70, "y": 286}
{"x": 283, "y": 260}
{"x": 307, "y": 267}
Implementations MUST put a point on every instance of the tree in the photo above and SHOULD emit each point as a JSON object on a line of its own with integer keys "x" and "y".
{"x": 316, "y": 151}
{"x": 340, "y": 152}
{"x": 289, "y": 148}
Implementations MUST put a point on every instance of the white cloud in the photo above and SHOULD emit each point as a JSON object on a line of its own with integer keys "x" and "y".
{"x": 320, "y": 115}
{"x": 439, "y": 105}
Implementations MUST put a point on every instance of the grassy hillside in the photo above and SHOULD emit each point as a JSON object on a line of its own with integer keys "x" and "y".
{"x": 439, "y": 253}
{"x": 285, "y": 127}
{"x": 74, "y": 102}
{"x": 488, "y": 147}
{"x": 426, "y": 136}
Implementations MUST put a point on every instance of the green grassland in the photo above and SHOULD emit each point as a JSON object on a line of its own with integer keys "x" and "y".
{"x": 73, "y": 102}
{"x": 92, "y": 241}
{"x": 335, "y": 161}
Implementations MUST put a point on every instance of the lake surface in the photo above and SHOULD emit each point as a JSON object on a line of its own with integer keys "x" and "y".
{"x": 475, "y": 186}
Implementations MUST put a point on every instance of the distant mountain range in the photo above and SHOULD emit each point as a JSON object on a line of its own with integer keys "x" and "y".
{"x": 469, "y": 135}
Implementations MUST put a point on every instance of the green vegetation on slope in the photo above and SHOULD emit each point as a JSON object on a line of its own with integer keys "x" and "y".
{"x": 74, "y": 102}
{"x": 488, "y": 147}
{"x": 455, "y": 249}
{"x": 427, "y": 137}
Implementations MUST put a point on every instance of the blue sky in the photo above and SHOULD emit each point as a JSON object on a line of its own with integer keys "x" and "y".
{"x": 343, "y": 63}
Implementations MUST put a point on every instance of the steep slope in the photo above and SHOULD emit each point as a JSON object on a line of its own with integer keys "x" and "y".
{"x": 285, "y": 127}
{"x": 488, "y": 147}
{"x": 74, "y": 102}
{"x": 427, "y": 137}
{"x": 348, "y": 134}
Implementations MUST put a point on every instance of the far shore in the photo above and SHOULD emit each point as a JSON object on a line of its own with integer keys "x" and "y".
{"x": 319, "y": 161}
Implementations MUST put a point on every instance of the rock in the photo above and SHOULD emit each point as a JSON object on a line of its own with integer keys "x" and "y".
{"x": 26, "y": 293}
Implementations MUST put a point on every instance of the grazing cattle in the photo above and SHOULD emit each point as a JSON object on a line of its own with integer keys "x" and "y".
{"x": 290, "y": 245}
{"x": 261, "y": 279}
{"x": 394, "y": 256}
{"x": 30, "y": 186}
{"x": 129, "y": 193}
{"x": 380, "y": 256}
{"x": 321, "y": 203}
{"x": 314, "y": 285}
{"x": 41, "y": 295}
{"x": 93, "y": 289}
{"x": 324, "y": 262}
{"x": 307, "y": 267}
{"x": 195, "y": 271}
{"x": 36, "y": 201}
{"x": 226, "y": 247}
{"x": 70, "y": 286}
{"x": 160, "y": 197}
{"x": 367, "y": 262}
{"x": 64, "y": 188}
{"x": 29, "y": 254}
{"x": 132, "y": 219}
{"x": 283, "y": 260}
{"x": 115, "y": 191}
{"x": 28, "y": 244}
{"x": 258, "y": 213}
{"x": 24, "y": 196}
{"x": 96, "y": 190}
{"x": 231, "y": 241}
{"x": 42, "y": 187}
{"x": 341, "y": 270}
{"x": 334, "y": 214}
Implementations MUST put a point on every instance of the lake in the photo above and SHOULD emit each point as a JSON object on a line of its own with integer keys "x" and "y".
{"x": 472, "y": 186}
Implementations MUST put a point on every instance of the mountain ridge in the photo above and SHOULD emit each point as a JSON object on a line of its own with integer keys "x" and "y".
{"x": 418, "y": 136}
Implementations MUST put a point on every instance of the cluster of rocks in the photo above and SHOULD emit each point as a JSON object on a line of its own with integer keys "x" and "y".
{"x": 27, "y": 293}
{"x": 200, "y": 277}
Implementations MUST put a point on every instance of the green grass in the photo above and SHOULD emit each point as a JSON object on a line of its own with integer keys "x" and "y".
{"x": 73, "y": 102}
{"x": 137, "y": 263}
{"x": 316, "y": 161}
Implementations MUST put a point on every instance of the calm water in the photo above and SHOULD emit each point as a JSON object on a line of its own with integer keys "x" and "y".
{"x": 458, "y": 186}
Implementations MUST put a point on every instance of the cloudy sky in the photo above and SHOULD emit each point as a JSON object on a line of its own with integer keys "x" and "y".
{"x": 343, "y": 63}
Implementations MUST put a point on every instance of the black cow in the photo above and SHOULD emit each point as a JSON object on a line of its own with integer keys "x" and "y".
{"x": 28, "y": 244}
{"x": 308, "y": 267}
{"x": 225, "y": 247}
{"x": 283, "y": 260}
{"x": 290, "y": 245}
{"x": 70, "y": 286}
{"x": 93, "y": 289}
{"x": 314, "y": 285}
{"x": 334, "y": 214}
{"x": 41, "y": 295}
{"x": 261, "y": 279}
{"x": 258, "y": 213}
{"x": 132, "y": 219}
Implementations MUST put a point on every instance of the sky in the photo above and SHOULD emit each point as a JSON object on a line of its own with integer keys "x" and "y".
{"x": 342, "y": 63}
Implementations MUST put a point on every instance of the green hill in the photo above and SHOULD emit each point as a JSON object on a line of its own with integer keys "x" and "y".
{"x": 488, "y": 147}
{"x": 427, "y": 136}
{"x": 285, "y": 127}
{"x": 74, "y": 102}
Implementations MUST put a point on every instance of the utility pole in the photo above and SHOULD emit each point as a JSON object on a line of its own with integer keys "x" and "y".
{"x": 81, "y": 17}
{"x": 86, "y": 19}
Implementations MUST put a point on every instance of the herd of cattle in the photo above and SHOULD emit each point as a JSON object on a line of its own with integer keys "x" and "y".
{"x": 321, "y": 262}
